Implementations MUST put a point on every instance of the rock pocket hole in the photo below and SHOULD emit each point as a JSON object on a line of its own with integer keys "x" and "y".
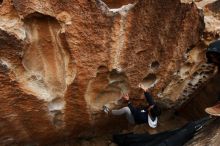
{"x": 1, "y": 1}
{"x": 102, "y": 69}
{"x": 113, "y": 4}
{"x": 155, "y": 65}
{"x": 149, "y": 80}
{"x": 115, "y": 76}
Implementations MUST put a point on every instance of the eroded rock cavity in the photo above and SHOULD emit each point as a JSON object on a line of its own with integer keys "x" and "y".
{"x": 106, "y": 89}
{"x": 47, "y": 63}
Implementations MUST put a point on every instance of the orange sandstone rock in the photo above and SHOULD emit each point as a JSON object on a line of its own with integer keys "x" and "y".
{"x": 61, "y": 61}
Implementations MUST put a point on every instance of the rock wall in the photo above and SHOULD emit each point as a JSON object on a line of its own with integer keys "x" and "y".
{"x": 208, "y": 136}
{"x": 61, "y": 61}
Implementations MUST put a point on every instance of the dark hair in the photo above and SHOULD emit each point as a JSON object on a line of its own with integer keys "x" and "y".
{"x": 214, "y": 49}
{"x": 155, "y": 111}
{"x": 210, "y": 59}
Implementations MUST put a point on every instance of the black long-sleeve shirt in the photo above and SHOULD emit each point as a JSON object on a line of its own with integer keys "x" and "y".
{"x": 141, "y": 115}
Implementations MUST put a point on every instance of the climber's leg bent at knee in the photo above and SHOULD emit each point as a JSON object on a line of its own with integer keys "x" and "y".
{"x": 125, "y": 110}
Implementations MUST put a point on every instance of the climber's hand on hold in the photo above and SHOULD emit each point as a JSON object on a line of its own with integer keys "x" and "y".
{"x": 126, "y": 97}
{"x": 143, "y": 87}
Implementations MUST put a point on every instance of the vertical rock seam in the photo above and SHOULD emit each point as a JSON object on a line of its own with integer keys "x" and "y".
{"x": 118, "y": 31}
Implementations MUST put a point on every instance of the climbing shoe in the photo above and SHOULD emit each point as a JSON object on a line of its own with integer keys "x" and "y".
{"x": 106, "y": 109}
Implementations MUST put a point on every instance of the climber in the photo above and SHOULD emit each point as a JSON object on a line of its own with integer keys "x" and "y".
{"x": 139, "y": 115}
{"x": 213, "y": 56}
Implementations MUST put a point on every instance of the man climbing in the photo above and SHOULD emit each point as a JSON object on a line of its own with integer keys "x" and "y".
{"x": 139, "y": 115}
{"x": 213, "y": 56}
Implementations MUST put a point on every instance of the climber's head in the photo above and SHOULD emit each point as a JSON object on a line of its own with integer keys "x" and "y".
{"x": 213, "y": 52}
